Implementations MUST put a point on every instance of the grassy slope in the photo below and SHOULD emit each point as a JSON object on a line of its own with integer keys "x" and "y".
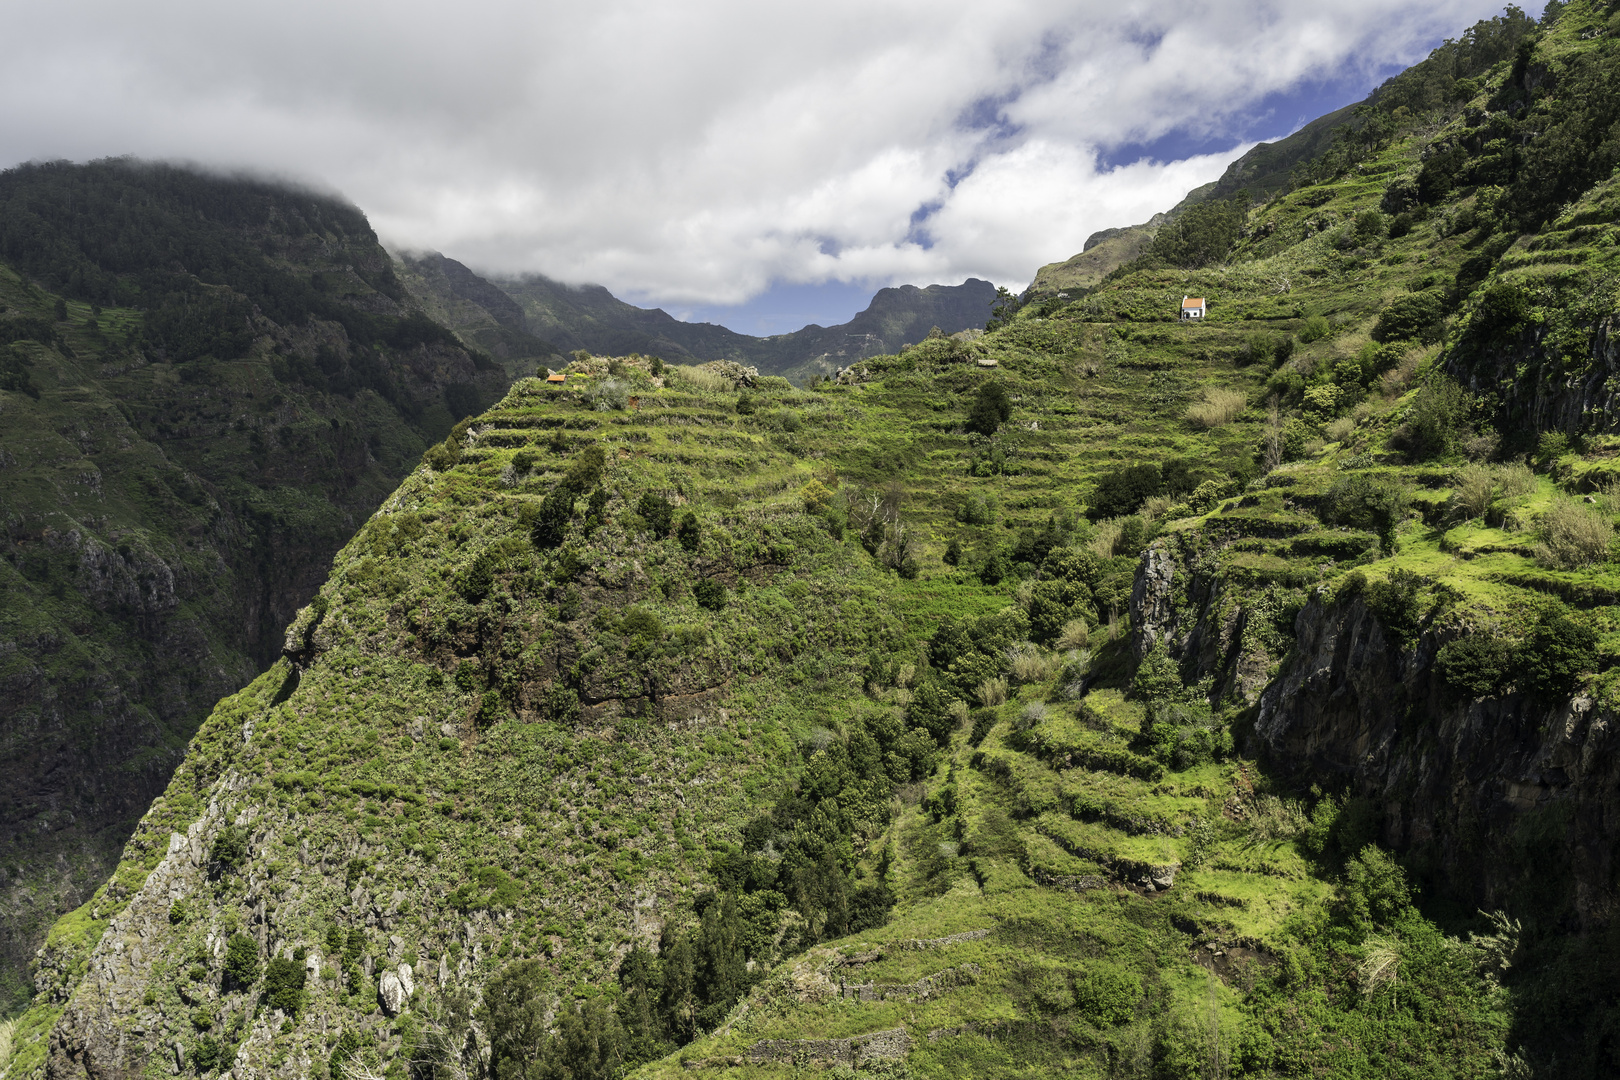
{"x": 1238, "y": 966}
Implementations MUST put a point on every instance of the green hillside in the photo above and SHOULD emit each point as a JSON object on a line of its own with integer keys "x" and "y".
{"x": 1110, "y": 695}
{"x": 206, "y": 385}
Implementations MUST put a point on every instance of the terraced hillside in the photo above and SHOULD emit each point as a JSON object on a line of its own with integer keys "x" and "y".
{"x": 1107, "y": 695}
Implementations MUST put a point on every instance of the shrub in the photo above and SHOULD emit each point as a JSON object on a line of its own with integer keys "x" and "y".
{"x": 953, "y": 553}
{"x": 816, "y": 497}
{"x": 284, "y": 985}
{"x": 1106, "y": 994}
{"x": 710, "y": 594}
{"x": 1123, "y": 491}
{"x": 609, "y": 395}
{"x": 241, "y": 962}
{"x": 992, "y": 692}
{"x": 1316, "y": 327}
{"x": 1573, "y": 535}
{"x": 745, "y": 404}
{"x": 658, "y": 512}
{"x": 991, "y": 408}
{"x": 1075, "y": 635}
{"x": 1439, "y": 419}
{"x": 1218, "y": 407}
{"x": 1558, "y": 652}
{"x": 229, "y": 851}
{"x": 1473, "y": 490}
{"x": 687, "y": 532}
{"x": 1416, "y": 316}
{"x": 1366, "y": 502}
{"x": 995, "y": 568}
{"x": 1476, "y": 666}
{"x": 1394, "y": 601}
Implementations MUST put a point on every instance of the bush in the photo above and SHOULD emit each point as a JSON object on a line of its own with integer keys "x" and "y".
{"x": 953, "y": 553}
{"x": 1316, "y": 327}
{"x": 229, "y": 851}
{"x": 284, "y": 985}
{"x": 1394, "y": 601}
{"x": 1106, "y": 994}
{"x": 710, "y": 594}
{"x": 687, "y": 532}
{"x": 1367, "y": 502}
{"x": 1218, "y": 407}
{"x": 658, "y": 512}
{"x": 1473, "y": 490}
{"x": 1573, "y": 535}
{"x": 1476, "y": 666}
{"x": 609, "y": 395}
{"x": 1414, "y": 317}
{"x": 1123, "y": 491}
{"x": 991, "y": 408}
{"x": 1438, "y": 421}
{"x": 816, "y": 497}
{"x": 241, "y": 962}
{"x": 1557, "y": 653}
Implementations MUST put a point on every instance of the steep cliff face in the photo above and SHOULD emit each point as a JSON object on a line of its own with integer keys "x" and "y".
{"x": 1503, "y": 803}
{"x": 206, "y": 385}
{"x": 1510, "y": 802}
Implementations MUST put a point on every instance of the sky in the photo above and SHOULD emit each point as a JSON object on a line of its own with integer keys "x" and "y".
{"x": 761, "y": 165}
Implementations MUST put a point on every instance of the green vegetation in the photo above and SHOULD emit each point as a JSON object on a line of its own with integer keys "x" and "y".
{"x": 904, "y": 738}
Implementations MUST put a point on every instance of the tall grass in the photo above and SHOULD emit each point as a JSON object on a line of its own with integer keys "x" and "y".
{"x": 701, "y": 378}
{"x": 1219, "y": 406}
{"x": 992, "y": 692}
{"x": 1574, "y": 534}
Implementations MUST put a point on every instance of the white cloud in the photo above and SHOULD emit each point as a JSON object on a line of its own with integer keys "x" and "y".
{"x": 694, "y": 152}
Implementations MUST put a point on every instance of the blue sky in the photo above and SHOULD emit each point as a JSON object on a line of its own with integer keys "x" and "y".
{"x": 784, "y": 307}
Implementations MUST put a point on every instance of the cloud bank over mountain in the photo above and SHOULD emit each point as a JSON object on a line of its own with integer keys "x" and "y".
{"x": 698, "y": 152}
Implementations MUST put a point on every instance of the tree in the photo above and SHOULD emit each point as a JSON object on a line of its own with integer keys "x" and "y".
{"x": 514, "y": 1013}
{"x": 241, "y": 962}
{"x": 991, "y": 408}
{"x": 687, "y": 532}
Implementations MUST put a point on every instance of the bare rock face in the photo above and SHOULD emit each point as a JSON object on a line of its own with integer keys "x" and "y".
{"x": 391, "y": 994}
{"x": 407, "y": 980}
{"x": 1507, "y": 799}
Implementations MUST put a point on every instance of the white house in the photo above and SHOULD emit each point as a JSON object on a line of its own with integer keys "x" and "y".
{"x": 1192, "y": 307}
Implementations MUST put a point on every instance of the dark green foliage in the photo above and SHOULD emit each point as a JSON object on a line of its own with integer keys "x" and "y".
{"x": 953, "y": 553}
{"x": 206, "y": 1055}
{"x": 1365, "y": 501}
{"x": 658, "y": 512}
{"x": 230, "y": 850}
{"x": 1440, "y": 418}
{"x": 710, "y": 593}
{"x": 745, "y": 404}
{"x": 1476, "y": 666}
{"x": 976, "y": 509}
{"x": 1375, "y": 891}
{"x": 930, "y": 710}
{"x": 1394, "y": 601}
{"x": 991, "y": 408}
{"x": 284, "y": 984}
{"x": 1005, "y": 306}
{"x": 1106, "y": 994}
{"x": 995, "y": 568}
{"x": 687, "y": 532}
{"x": 551, "y": 523}
{"x": 241, "y": 969}
{"x": 513, "y": 1013}
{"x": 1124, "y": 490}
{"x": 1558, "y": 651}
{"x": 1414, "y": 316}
{"x": 348, "y": 1045}
{"x": 585, "y": 471}
{"x": 1179, "y": 730}
{"x": 1203, "y": 234}
{"x": 477, "y": 579}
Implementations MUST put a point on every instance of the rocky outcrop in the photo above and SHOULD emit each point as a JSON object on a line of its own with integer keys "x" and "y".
{"x": 878, "y": 1046}
{"x": 1538, "y": 392}
{"x": 1508, "y": 802}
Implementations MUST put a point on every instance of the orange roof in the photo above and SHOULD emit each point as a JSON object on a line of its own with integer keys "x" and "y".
{"x": 556, "y": 376}
{"x": 1192, "y": 301}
